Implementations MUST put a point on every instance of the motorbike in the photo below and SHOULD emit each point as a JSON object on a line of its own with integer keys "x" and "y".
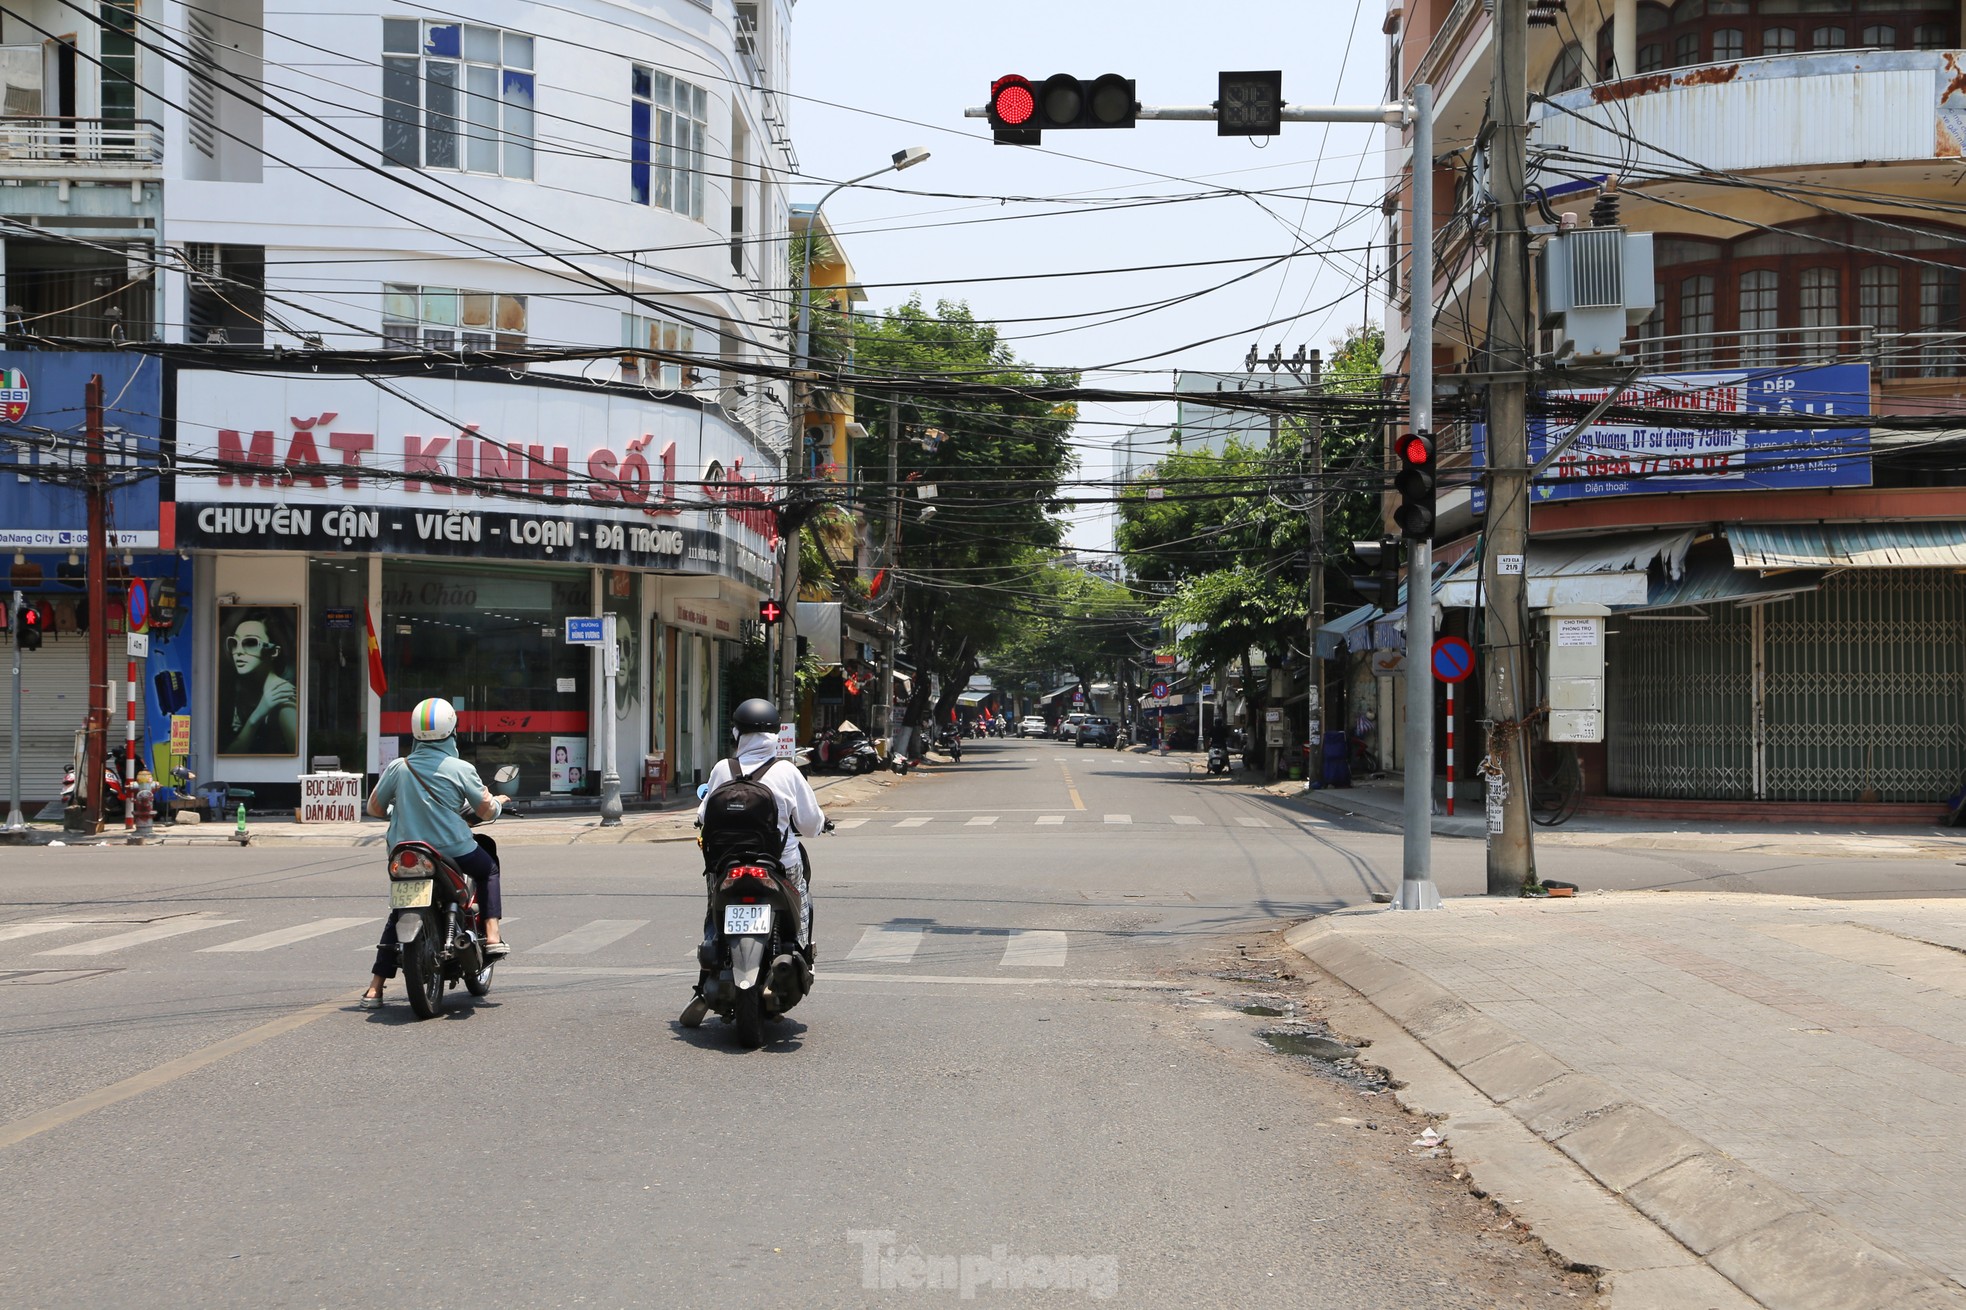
{"x": 848, "y": 750}
{"x": 947, "y": 743}
{"x": 112, "y": 784}
{"x": 1218, "y": 759}
{"x": 439, "y": 929}
{"x": 752, "y": 966}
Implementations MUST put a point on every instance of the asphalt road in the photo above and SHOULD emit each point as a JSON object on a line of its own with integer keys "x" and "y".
{"x": 1025, "y": 1065}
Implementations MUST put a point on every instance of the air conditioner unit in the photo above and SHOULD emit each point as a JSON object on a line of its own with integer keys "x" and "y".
{"x": 1596, "y": 286}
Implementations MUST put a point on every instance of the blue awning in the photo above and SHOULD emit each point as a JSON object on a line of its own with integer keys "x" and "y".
{"x": 1338, "y": 634}
{"x": 1919, "y": 545}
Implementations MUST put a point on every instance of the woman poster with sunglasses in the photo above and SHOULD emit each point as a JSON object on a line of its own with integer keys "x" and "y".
{"x": 258, "y": 707}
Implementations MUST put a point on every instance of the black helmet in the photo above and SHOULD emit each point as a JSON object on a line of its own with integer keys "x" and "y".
{"x": 755, "y": 715}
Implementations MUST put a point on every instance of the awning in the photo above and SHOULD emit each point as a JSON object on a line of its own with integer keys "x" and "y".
{"x": 970, "y": 700}
{"x": 1065, "y": 690}
{"x": 1848, "y": 545}
{"x": 1712, "y": 579}
{"x": 1606, "y": 570}
{"x": 1338, "y": 634}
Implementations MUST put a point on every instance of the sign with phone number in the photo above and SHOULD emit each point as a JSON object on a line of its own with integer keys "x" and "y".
{"x": 1622, "y": 458}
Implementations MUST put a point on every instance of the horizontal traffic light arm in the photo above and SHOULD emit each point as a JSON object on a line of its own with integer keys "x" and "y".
{"x": 1395, "y": 115}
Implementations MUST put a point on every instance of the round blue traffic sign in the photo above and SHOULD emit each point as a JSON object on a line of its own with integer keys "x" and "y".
{"x": 1453, "y": 659}
{"x": 139, "y": 606}
{"x": 1160, "y": 691}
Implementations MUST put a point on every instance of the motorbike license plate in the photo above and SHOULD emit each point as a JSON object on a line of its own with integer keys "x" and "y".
{"x": 747, "y": 920}
{"x": 411, "y": 895}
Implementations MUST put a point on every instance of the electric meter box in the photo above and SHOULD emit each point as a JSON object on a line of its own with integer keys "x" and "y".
{"x": 1574, "y": 668}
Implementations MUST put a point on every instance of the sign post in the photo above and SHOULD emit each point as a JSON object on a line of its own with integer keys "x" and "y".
{"x": 16, "y": 823}
{"x": 599, "y": 630}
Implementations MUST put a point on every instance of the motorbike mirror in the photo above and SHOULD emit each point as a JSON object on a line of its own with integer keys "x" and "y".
{"x": 506, "y": 774}
{"x": 702, "y": 790}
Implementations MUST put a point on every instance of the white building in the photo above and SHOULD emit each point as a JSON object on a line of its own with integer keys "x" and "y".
{"x": 362, "y": 177}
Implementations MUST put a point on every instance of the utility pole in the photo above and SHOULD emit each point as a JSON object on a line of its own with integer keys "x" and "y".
{"x": 88, "y": 779}
{"x": 892, "y": 732}
{"x": 1314, "y": 705}
{"x": 15, "y": 823}
{"x": 1511, "y": 859}
{"x": 1417, "y": 890}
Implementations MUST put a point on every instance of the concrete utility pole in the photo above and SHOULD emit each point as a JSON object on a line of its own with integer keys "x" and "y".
{"x": 1314, "y": 600}
{"x": 1417, "y": 890}
{"x": 1506, "y": 664}
{"x": 891, "y": 729}
{"x": 88, "y": 779}
{"x": 15, "y": 823}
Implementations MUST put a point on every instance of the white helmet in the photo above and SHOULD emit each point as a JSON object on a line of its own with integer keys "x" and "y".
{"x": 433, "y": 720}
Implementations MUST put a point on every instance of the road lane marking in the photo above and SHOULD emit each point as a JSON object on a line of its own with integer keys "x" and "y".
{"x": 1119, "y": 818}
{"x": 981, "y": 821}
{"x": 913, "y": 823}
{"x": 1047, "y": 820}
{"x": 156, "y": 932}
{"x": 1248, "y": 822}
{"x": 844, "y": 824}
{"x": 12, "y": 1134}
{"x": 15, "y": 931}
{"x": 266, "y": 941}
{"x": 1034, "y": 949}
{"x": 887, "y": 944}
{"x": 587, "y": 937}
{"x": 1186, "y": 819}
{"x": 547, "y": 971}
{"x": 1071, "y": 788}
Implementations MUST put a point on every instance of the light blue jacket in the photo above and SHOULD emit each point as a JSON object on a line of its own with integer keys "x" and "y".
{"x": 434, "y": 810}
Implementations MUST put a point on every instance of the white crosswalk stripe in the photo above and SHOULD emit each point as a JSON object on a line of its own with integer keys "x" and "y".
{"x": 1034, "y": 949}
{"x": 1248, "y": 822}
{"x": 154, "y": 932}
{"x": 588, "y": 937}
{"x": 981, "y": 821}
{"x": 1119, "y": 818}
{"x": 1050, "y": 820}
{"x": 266, "y": 941}
{"x": 1185, "y": 819}
{"x": 15, "y": 931}
{"x": 887, "y": 944}
{"x": 916, "y": 822}
{"x": 845, "y": 824}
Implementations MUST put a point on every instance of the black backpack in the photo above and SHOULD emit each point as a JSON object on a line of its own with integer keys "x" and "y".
{"x": 740, "y": 820}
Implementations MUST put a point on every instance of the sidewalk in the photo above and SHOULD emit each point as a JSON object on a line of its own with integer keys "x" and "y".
{"x": 1383, "y": 801}
{"x": 1763, "y": 1090}
{"x": 561, "y": 827}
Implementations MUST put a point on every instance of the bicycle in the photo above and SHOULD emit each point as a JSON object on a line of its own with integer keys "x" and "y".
{"x": 1363, "y": 761}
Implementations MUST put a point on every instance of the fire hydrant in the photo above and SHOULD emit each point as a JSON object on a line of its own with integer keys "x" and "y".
{"x": 144, "y": 806}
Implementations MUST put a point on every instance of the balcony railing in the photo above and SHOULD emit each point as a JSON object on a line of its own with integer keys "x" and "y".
{"x": 1891, "y": 355}
{"x": 79, "y": 144}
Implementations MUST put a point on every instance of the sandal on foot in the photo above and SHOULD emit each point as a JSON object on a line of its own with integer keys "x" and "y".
{"x": 369, "y": 1002}
{"x": 497, "y": 950}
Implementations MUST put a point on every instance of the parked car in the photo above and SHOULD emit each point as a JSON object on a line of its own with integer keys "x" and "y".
{"x": 1097, "y": 730}
{"x": 1069, "y": 729}
{"x": 1032, "y": 725}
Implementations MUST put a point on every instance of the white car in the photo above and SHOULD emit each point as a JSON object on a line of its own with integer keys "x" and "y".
{"x": 1031, "y": 725}
{"x": 1069, "y": 729}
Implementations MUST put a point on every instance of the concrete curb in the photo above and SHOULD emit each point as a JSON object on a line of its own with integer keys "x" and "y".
{"x": 1762, "y": 1238}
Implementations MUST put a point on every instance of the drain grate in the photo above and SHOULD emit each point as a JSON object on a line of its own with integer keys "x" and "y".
{"x": 46, "y": 977}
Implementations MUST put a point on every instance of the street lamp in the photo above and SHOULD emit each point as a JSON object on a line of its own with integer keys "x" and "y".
{"x": 902, "y": 159}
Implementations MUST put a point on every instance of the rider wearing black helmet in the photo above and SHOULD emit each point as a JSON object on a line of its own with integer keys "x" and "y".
{"x": 754, "y": 730}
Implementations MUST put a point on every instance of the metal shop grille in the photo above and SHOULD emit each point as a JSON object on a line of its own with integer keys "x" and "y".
{"x": 1864, "y": 684}
{"x": 1679, "y": 718}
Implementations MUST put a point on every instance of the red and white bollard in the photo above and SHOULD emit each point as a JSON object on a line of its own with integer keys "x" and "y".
{"x": 1450, "y": 750}
{"x": 130, "y": 754}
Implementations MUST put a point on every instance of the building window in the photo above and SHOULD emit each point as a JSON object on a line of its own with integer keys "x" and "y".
{"x": 1820, "y": 291}
{"x": 1651, "y": 351}
{"x": 1760, "y": 312}
{"x": 1827, "y": 38}
{"x": 1567, "y": 72}
{"x": 1686, "y": 49}
{"x": 1877, "y": 309}
{"x": 119, "y": 64}
{"x": 1932, "y": 36}
{"x": 645, "y": 332}
{"x": 1938, "y": 312}
{"x": 1777, "y": 40}
{"x": 1728, "y": 45}
{"x": 458, "y": 96}
{"x": 1651, "y": 58}
{"x": 1882, "y": 34}
{"x": 669, "y": 126}
{"x": 446, "y": 318}
{"x": 1696, "y": 321}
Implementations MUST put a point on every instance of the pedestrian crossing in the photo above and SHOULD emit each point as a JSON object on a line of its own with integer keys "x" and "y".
{"x": 1278, "y": 823}
{"x": 885, "y": 944}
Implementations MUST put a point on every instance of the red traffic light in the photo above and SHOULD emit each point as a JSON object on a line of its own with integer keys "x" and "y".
{"x": 1417, "y": 448}
{"x": 770, "y": 612}
{"x": 1012, "y": 102}
{"x": 28, "y": 632}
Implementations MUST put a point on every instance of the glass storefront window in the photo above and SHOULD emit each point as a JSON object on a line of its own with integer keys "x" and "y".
{"x": 492, "y": 642}
{"x": 337, "y": 662}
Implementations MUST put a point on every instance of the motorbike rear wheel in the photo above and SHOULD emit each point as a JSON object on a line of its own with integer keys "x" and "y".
{"x": 747, "y": 1015}
{"x": 479, "y": 983}
{"x": 423, "y": 976}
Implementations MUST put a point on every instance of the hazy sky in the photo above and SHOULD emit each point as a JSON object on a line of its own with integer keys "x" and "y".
{"x": 901, "y": 72}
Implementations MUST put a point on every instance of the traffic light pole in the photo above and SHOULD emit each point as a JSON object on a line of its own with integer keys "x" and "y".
{"x": 15, "y": 821}
{"x": 1417, "y": 890}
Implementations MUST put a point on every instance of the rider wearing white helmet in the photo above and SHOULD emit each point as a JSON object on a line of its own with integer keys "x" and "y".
{"x": 425, "y": 796}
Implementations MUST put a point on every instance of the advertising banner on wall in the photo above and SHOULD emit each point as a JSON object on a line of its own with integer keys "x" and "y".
{"x": 536, "y": 469}
{"x": 42, "y": 422}
{"x": 1625, "y": 459}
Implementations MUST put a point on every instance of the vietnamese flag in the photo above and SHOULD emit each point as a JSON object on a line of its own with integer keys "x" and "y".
{"x": 874, "y": 587}
{"x": 378, "y": 680}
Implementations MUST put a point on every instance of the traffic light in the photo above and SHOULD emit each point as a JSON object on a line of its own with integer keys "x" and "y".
{"x": 1415, "y": 484}
{"x": 1381, "y": 582}
{"x": 1019, "y": 110}
{"x": 770, "y": 612}
{"x": 27, "y": 625}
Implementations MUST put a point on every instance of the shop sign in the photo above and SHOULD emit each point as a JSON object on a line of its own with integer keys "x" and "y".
{"x": 1622, "y": 458}
{"x": 330, "y": 797}
{"x": 705, "y": 616}
{"x": 180, "y": 735}
{"x": 530, "y": 469}
{"x": 42, "y": 507}
{"x": 14, "y": 395}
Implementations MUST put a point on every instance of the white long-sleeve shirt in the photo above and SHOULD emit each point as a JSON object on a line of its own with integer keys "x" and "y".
{"x": 799, "y": 814}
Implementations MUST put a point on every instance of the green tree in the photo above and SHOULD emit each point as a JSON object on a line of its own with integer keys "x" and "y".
{"x": 989, "y": 470}
{"x": 1072, "y": 622}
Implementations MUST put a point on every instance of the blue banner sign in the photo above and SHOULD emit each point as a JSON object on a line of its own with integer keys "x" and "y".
{"x": 1620, "y": 458}
{"x": 42, "y": 422}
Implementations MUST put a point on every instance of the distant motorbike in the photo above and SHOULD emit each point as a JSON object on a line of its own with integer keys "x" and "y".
{"x": 1218, "y": 759}
{"x": 847, "y": 749}
{"x": 438, "y": 923}
{"x": 112, "y": 785}
{"x": 947, "y": 743}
